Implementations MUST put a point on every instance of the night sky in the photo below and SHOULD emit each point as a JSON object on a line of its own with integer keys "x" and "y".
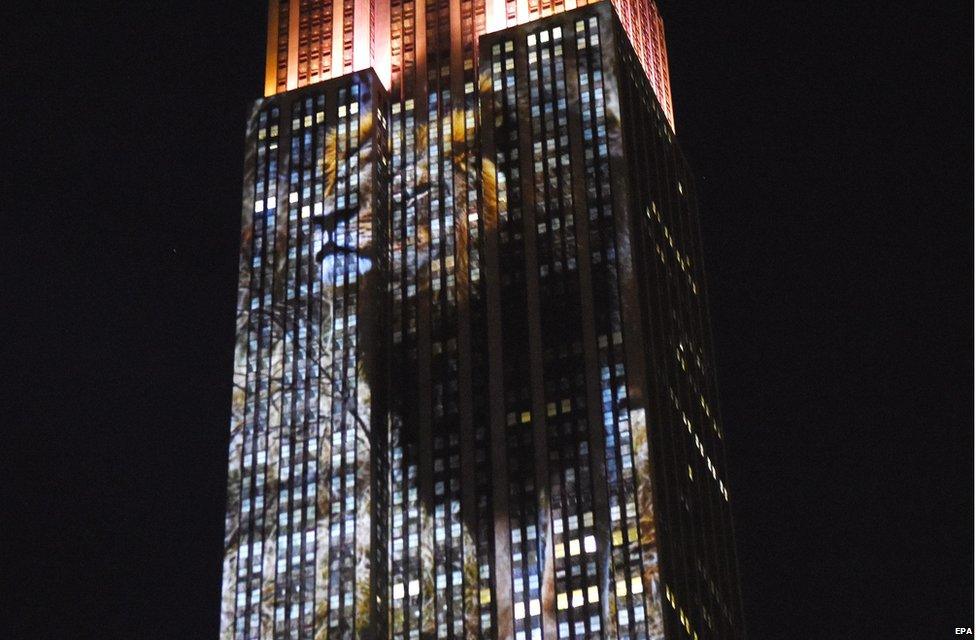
{"x": 833, "y": 148}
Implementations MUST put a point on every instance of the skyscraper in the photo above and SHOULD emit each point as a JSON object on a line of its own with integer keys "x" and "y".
{"x": 473, "y": 390}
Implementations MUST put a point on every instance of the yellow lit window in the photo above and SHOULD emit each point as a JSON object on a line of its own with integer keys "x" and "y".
{"x": 593, "y": 594}
{"x": 636, "y": 586}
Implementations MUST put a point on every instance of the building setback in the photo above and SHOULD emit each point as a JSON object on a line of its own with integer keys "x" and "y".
{"x": 473, "y": 384}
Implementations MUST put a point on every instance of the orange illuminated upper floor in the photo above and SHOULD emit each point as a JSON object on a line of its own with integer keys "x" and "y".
{"x": 314, "y": 40}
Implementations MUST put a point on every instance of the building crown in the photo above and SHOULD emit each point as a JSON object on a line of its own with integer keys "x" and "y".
{"x": 314, "y": 40}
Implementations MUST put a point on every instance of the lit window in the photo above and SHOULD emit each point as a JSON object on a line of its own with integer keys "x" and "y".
{"x": 636, "y": 586}
{"x": 589, "y": 544}
{"x": 593, "y": 594}
{"x": 519, "y": 610}
{"x": 578, "y": 598}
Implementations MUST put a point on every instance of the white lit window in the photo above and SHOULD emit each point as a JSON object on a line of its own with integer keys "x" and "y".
{"x": 589, "y": 544}
{"x": 577, "y": 598}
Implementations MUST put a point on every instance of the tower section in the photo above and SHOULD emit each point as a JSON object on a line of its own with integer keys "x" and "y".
{"x": 604, "y": 415}
{"x": 306, "y": 532}
{"x": 473, "y": 387}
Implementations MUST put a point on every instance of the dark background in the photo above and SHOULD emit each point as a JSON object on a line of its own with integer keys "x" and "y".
{"x": 833, "y": 145}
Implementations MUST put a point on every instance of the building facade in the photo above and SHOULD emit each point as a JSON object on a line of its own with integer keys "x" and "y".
{"x": 473, "y": 390}
{"x": 306, "y": 522}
